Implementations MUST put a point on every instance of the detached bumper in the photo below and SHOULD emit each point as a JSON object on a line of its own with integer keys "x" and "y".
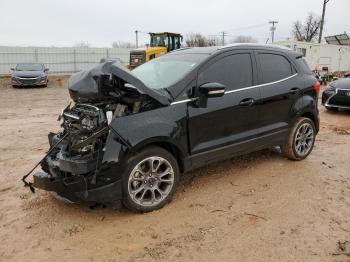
{"x": 76, "y": 188}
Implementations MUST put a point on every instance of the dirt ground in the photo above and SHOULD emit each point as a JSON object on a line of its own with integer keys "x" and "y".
{"x": 258, "y": 207}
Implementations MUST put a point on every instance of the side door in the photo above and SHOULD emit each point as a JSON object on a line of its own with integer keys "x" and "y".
{"x": 280, "y": 86}
{"x": 228, "y": 120}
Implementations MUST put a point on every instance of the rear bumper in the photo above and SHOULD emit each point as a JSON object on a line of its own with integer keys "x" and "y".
{"x": 76, "y": 188}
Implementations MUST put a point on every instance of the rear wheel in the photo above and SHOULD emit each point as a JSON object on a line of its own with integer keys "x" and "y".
{"x": 301, "y": 139}
{"x": 150, "y": 180}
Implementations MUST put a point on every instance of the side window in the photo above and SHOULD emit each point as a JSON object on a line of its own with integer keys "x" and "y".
{"x": 274, "y": 67}
{"x": 233, "y": 71}
{"x": 301, "y": 62}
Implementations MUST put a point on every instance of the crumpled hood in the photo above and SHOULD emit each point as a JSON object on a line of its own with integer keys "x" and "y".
{"x": 85, "y": 85}
{"x": 27, "y": 74}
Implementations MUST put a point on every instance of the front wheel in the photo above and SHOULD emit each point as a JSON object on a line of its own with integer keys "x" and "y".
{"x": 301, "y": 139}
{"x": 150, "y": 180}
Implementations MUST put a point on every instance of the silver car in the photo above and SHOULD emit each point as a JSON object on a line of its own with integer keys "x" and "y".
{"x": 29, "y": 74}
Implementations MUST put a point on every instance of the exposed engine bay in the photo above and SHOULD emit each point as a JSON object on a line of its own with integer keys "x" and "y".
{"x": 87, "y": 126}
{"x": 75, "y": 157}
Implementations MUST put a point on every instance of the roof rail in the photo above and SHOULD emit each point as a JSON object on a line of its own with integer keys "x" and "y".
{"x": 256, "y": 45}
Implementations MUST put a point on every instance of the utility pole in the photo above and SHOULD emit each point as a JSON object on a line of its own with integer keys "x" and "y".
{"x": 273, "y": 28}
{"x": 223, "y": 34}
{"x": 322, "y": 20}
{"x": 137, "y": 38}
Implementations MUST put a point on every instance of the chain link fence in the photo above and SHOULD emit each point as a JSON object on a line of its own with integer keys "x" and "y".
{"x": 59, "y": 60}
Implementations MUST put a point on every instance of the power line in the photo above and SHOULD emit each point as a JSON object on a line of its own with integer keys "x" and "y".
{"x": 246, "y": 27}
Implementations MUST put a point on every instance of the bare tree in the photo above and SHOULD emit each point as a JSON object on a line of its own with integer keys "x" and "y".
{"x": 244, "y": 39}
{"x": 84, "y": 44}
{"x": 211, "y": 42}
{"x": 122, "y": 44}
{"x": 214, "y": 40}
{"x": 308, "y": 30}
{"x": 196, "y": 39}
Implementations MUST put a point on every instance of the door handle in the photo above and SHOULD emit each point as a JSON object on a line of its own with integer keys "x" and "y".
{"x": 294, "y": 90}
{"x": 247, "y": 102}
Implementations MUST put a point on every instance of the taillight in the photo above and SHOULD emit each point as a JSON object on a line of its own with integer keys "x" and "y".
{"x": 317, "y": 87}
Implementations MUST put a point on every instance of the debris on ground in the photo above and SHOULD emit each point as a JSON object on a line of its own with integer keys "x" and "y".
{"x": 343, "y": 248}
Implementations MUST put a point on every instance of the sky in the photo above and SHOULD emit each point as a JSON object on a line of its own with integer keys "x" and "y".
{"x": 100, "y": 22}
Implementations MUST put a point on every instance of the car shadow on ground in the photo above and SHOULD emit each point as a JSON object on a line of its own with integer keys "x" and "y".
{"x": 205, "y": 176}
{"x": 29, "y": 87}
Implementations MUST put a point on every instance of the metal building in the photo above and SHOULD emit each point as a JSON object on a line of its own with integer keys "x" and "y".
{"x": 334, "y": 57}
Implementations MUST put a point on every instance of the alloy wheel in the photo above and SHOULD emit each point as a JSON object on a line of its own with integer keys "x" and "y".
{"x": 304, "y": 139}
{"x": 151, "y": 181}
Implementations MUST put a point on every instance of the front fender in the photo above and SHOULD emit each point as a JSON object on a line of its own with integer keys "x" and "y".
{"x": 114, "y": 150}
{"x": 160, "y": 125}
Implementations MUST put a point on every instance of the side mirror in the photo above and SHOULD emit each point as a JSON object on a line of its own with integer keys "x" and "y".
{"x": 209, "y": 90}
{"x": 12, "y": 69}
{"x": 46, "y": 70}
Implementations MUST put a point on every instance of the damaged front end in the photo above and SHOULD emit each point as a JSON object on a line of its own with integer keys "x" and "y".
{"x": 84, "y": 163}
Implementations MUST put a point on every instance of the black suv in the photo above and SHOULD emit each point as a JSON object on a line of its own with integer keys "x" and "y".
{"x": 130, "y": 135}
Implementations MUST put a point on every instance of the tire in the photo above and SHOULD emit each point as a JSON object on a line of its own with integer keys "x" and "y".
{"x": 331, "y": 108}
{"x": 301, "y": 139}
{"x": 143, "y": 190}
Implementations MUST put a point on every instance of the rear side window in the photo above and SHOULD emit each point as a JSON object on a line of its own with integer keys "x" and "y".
{"x": 233, "y": 71}
{"x": 274, "y": 67}
{"x": 302, "y": 64}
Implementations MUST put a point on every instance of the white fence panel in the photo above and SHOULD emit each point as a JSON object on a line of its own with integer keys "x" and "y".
{"x": 60, "y": 60}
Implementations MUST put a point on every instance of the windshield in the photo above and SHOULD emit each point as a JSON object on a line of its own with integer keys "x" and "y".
{"x": 159, "y": 40}
{"x": 166, "y": 70}
{"x": 29, "y": 67}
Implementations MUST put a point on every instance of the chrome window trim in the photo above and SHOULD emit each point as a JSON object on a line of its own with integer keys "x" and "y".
{"x": 240, "y": 89}
{"x": 181, "y": 101}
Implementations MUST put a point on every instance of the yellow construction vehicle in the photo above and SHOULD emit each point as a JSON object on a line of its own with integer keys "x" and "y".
{"x": 160, "y": 44}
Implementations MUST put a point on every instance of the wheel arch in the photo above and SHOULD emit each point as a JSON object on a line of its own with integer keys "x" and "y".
{"x": 306, "y": 106}
{"x": 312, "y": 117}
{"x": 169, "y": 146}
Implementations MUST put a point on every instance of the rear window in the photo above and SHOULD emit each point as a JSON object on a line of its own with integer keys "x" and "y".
{"x": 302, "y": 64}
{"x": 274, "y": 67}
